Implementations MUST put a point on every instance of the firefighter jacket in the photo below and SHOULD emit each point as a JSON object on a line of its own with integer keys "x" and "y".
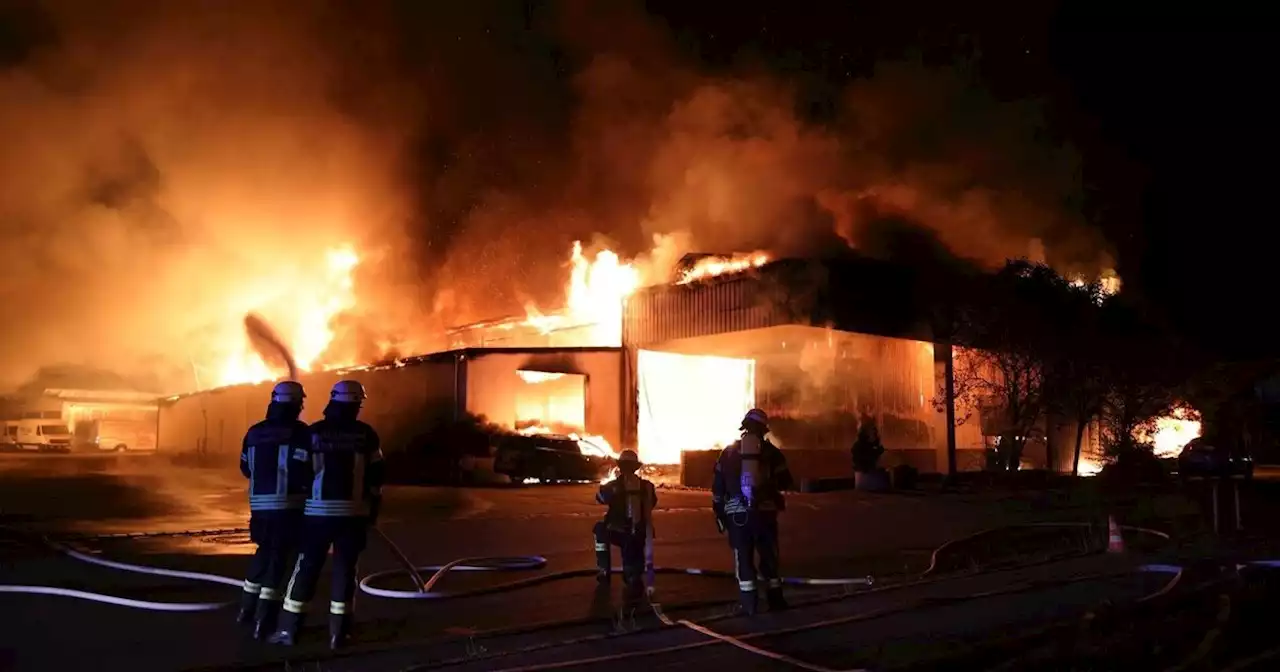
{"x": 750, "y": 475}
{"x": 272, "y": 458}
{"x": 347, "y": 469}
{"x": 631, "y": 500}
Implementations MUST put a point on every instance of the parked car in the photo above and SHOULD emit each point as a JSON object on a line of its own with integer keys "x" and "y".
{"x": 1210, "y": 458}
{"x": 546, "y": 457}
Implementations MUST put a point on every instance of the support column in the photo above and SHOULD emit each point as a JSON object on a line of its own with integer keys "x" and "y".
{"x": 944, "y": 354}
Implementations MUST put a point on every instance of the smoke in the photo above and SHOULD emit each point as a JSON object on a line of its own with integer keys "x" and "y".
{"x": 269, "y": 346}
{"x": 171, "y": 166}
{"x": 912, "y": 161}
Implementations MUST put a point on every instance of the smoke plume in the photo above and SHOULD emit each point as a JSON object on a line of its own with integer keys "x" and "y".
{"x": 171, "y": 167}
{"x": 913, "y": 157}
{"x": 273, "y": 350}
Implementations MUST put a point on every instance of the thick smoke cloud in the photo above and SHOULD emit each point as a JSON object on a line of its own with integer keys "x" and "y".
{"x": 914, "y": 157}
{"x": 170, "y": 166}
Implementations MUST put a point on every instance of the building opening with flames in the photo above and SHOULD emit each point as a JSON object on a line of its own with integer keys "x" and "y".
{"x": 825, "y": 347}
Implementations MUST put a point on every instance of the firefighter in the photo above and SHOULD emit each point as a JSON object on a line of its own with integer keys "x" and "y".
{"x": 628, "y": 524}
{"x": 346, "y": 495}
{"x": 746, "y": 495}
{"x": 278, "y": 481}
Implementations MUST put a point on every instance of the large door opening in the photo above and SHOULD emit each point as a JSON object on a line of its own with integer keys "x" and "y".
{"x": 690, "y": 402}
{"x": 551, "y": 402}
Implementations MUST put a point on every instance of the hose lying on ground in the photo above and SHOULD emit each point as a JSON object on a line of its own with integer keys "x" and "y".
{"x": 424, "y": 588}
{"x": 423, "y": 591}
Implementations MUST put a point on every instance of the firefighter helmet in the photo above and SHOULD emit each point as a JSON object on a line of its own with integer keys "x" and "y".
{"x": 629, "y": 457}
{"x": 348, "y": 392}
{"x": 288, "y": 392}
{"x": 755, "y": 416}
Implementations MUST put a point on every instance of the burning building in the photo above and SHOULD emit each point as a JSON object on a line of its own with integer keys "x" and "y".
{"x": 669, "y": 369}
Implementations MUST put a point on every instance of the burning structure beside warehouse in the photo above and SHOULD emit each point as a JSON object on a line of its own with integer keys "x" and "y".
{"x": 565, "y": 389}
{"x": 823, "y": 346}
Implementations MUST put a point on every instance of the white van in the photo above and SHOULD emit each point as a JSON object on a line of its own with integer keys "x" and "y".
{"x": 115, "y": 435}
{"x": 45, "y": 435}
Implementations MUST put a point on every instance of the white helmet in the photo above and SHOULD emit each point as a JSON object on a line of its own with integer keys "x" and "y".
{"x": 288, "y": 392}
{"x": 348, "y": 391}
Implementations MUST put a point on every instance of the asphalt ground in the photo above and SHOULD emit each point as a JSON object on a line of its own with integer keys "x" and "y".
{"x": 824, "y": 535}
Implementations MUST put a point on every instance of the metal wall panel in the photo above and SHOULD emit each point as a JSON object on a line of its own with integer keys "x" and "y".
{"x": 667, "y": 313}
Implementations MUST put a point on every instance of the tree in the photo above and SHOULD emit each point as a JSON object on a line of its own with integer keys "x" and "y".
{"x": 1076, "y": 377}
{"x": 1145, "y": 375}
{"x": 1001, "y": 368}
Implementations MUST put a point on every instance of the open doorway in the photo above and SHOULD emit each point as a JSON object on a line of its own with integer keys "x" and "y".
{"x": 551, "y": 402}
{"x": 690, "y": 402}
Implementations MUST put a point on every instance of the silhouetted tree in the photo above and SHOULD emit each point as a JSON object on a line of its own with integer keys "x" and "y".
{"x": 1001, "y": 370}
{"x": 1076, "y": 371}
{"x": 1145, "y": 375}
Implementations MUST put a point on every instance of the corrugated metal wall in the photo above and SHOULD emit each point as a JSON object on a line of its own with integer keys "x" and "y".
{"x": 660, "y": 314}
{"x": 402, "y": 401}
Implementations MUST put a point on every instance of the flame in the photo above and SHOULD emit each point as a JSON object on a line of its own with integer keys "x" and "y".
{"x": 589, "y": 444}
{"x": 597, "y": 292}
{"x": 690, "y": 402}
{"x": 709, "y": 267}
{"x": 1172, "y": 433}
{"x": 535, "y": 377}
{"x": 1109, "y": 283}
{"x": 1089, "y": 466}
{"x": 302, "y": 310}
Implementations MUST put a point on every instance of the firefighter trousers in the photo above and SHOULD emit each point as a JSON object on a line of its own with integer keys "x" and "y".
{"x": 750, "y": 535}
{"x": 276, "y": 535}
{"x": 347, "y": 536}
{"x": 631, "y": 547}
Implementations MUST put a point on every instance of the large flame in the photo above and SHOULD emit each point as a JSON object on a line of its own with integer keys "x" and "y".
{"x": 1172, "y": 433}
{"x": 599, "y": 286}
{"x": 598, "y": 289}
{"x": 712, "y": 266}
{"x": 301, "y": 305}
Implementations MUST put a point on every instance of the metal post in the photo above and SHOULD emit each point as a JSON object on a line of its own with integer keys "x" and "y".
{"x": 949, "y": 392}
{"x": 1235, "y": 489}
{"x": 1214, "y": 490}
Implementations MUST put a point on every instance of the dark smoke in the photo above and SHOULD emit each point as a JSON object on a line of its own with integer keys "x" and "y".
{"x": 914, "y": 160}
{"x": 269, "y": 346}
{"x": 170, "y": 167}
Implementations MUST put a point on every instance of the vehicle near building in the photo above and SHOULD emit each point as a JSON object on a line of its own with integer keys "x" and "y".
{"x": 1207, "y": 457}
{"x": 546, "y": 458}
{"x": 45, "y": 435}
{"x": 115, "y": 435}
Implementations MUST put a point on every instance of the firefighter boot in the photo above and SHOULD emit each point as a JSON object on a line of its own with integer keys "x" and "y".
{"x": 265, "y": 618}
{"x": 747, "y": 602}
{"x": 248, "y": 606}
{"x": 776, "y": 600}
{"x": 339, "y": 630}
{"x": 286, "y": 633}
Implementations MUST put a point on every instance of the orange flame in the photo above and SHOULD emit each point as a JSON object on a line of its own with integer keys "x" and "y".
{"x": 598, "y": 290}
{"x": 302, "y": 310}
{"x": 712, "y": 266}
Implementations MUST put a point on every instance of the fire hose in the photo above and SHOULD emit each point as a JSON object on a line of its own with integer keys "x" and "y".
{"x": 425, "y": 589}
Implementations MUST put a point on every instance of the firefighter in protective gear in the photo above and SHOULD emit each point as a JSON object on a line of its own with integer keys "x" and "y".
{"x": 346, "y": 495}
{"x": 746, "y": 495}
{"x": 278, "y": 482}
{"x": 628, "y": 524}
